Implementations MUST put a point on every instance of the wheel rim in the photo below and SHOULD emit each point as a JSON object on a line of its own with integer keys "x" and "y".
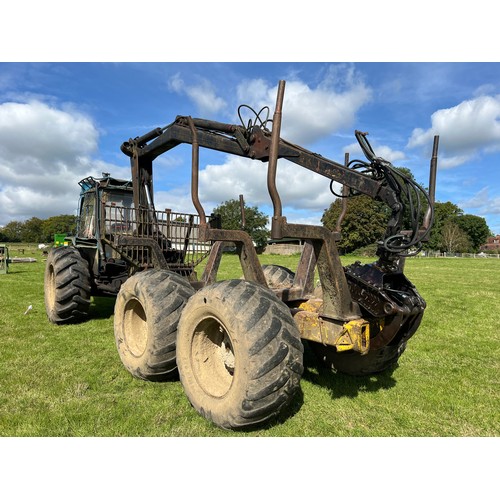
{"x": 51, "y": 289}
{"x": 212, "y": 357}
{"x": 135, "y": 327}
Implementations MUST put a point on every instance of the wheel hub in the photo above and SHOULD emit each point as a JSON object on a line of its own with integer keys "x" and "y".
{"x": 135, "y": 330}
{"x": 213, "y": 357}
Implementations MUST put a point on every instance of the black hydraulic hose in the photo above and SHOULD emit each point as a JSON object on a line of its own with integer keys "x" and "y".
{"x": 399, "y": 183}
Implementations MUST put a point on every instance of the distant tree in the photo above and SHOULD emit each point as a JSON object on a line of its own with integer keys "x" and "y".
{"x": 443, "y": 213}
{"x": 454, "y": 239}
{"x": 366, "y": 220}
{"x": 364, "y": 223}
{"x": 58, "y": 224}
{"x": 255, "y": 221}
{"x": 32, "y": 231}
{"x": 13, "y": 231}
{"x": 3, "y": 237}
{"x": 476, "y": 229}
{"x": 37, "y": 230}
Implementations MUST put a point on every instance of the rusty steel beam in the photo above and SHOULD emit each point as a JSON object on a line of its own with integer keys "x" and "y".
{"x": 260, "y": 146}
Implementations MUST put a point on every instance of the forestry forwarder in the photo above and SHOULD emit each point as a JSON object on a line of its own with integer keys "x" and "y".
{"x": 237, "y": 344}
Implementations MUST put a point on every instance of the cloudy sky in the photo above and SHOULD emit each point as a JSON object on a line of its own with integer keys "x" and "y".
{"x": 60, "y": 122}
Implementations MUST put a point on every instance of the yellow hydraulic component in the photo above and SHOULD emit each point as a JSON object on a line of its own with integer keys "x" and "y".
{"x": 355, "y": 336}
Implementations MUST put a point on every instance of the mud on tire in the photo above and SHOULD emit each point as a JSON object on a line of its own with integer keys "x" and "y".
{"x": 147, "y": 312}
{"x": 239, "y": 354}
{"x": 67, "y": 286}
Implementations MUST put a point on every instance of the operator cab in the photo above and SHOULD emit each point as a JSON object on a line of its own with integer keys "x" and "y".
{"x": 105, "y": 193}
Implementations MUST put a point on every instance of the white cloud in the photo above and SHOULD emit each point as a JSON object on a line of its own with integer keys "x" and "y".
{"x": 478, "y": 200}
{"x": 465, "y": 130}
{"x": 454, "y": 161}
{"x": 35, "y": 130}
{"x": 44, "y": 152}
{"x": 202, "y": 94}
{"x": 483, "y": 203}
{"x": 487, "y": 88}
{"x": 310, "y": 114}
{"x": 304, "y": 194}
{"x": 385, "y": 152}
{"x": 177, "y": 200}
{"x": 313, "y": 219}
{"x": 486, "y": 205}
{"x": 26, "y": 202}
{"x": 298, "y": 188}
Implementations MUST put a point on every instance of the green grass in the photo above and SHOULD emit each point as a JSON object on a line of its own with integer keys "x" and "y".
{"x": 69, "y": 381}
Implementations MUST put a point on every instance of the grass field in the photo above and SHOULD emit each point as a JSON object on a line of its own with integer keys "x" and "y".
{"x": 69, "y": 381}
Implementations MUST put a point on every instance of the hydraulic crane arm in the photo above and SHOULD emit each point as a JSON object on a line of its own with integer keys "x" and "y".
{"x": 255, "y": 142}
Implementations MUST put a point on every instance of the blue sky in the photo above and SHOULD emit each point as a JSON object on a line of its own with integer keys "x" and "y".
{"x": 60, "y": 122}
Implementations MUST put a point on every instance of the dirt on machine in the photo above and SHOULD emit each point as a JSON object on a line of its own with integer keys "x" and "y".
{"x": 237, "y": 345}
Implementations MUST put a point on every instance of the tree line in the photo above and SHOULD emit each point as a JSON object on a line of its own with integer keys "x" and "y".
{"x": 36, "y": 230}
{"x": 364, "y": 225}
{"x": 365, "y": 222}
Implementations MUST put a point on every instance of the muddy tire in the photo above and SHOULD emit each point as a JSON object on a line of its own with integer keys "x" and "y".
{"x": 278, "y": 276}
{"x": 66, "y": 286}
{"x": 239, "y": 354}
{"x": 147, "y": 312}
{"x": 352, "y": 363}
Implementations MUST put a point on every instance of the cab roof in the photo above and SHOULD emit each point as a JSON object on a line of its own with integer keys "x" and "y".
{"x": 105, "y": 182}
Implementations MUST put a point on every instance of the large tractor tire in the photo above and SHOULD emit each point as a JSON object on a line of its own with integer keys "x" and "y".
{"x": 147, "y": 311}
{"x": 278, "y": 276}
{"x": 67, "y": 286}
{"x": 239, "y": 354}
